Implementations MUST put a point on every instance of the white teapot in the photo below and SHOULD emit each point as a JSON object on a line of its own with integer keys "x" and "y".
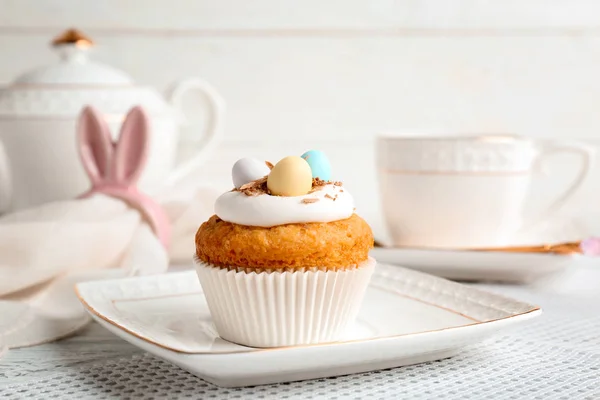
{"x": 38, "y": 114}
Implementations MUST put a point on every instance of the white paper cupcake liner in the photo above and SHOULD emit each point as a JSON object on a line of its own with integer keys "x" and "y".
{"x": 273, "y": 309}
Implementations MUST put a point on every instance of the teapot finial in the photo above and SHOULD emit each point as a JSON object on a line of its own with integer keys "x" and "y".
{"x": 74, "y": 37}
{"x": 72, "y": 45}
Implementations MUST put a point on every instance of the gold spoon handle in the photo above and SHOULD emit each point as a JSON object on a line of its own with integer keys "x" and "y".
{"x": 559, "y": 248}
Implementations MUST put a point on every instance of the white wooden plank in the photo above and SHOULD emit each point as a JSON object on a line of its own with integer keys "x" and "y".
{"x": 398, "y": 17}
{"x": 303, "y": 89}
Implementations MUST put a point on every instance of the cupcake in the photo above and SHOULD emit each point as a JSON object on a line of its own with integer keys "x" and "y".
{"x": 285, "y": 260}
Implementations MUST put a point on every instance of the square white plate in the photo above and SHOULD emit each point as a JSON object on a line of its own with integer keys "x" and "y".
{"x": 407, "y": 317}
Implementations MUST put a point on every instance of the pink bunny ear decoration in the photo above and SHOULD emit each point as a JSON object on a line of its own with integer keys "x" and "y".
{"x": 114, "y": 168}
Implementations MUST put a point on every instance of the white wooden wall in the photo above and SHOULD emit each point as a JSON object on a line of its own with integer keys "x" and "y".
{"x": 332, "y": 74}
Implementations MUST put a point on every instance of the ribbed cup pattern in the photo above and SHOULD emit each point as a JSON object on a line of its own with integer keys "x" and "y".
{"x": 273, "y": 309}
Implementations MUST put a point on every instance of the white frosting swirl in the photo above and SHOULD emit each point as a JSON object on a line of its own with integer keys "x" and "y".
{"x": 266, "y": 211}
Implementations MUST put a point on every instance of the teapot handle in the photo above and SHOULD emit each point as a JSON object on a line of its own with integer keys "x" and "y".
{"x": 204, "y": 135}
{"x": 5, "y": 181}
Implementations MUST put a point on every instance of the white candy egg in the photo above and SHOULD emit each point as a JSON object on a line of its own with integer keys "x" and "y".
{"x": 247, "y": 170}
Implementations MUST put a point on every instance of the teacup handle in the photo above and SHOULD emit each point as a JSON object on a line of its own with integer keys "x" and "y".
{"x": 210, "y": 130}
{"x": 585, "y": 152}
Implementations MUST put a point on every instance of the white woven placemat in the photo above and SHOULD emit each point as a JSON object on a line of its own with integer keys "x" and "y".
{"x": 556, "y": 356}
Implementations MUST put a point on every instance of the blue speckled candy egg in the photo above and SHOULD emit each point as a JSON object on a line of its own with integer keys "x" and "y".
{"x": 319, "y": 164}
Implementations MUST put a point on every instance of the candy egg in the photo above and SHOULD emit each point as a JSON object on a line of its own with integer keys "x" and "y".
{"x": 247, "y": 170}
{"x": 290, "y": 177}
{"x": 319, "y": 164}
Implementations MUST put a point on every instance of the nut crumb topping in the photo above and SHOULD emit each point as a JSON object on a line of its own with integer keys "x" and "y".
{"x": 318, "y": 183}
{"x": 330, "y": 196}
{"x": 269, "y": 164}
{"x": 254, "y": 188}
{"x": 308, "y": 201}
{"x": 259, "y": 186}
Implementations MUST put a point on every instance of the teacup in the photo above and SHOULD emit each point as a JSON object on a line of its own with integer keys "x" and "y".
{"x": 463, "y": 191}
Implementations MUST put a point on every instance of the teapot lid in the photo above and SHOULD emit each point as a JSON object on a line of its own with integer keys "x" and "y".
{"x": 64, "y": 88}
{"x": 75, "y": 67}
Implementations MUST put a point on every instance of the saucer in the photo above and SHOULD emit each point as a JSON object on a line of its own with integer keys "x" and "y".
{"x": 468, "y": 265}
{"x": 407, "y": 317}
{"x": 502, "y": 265}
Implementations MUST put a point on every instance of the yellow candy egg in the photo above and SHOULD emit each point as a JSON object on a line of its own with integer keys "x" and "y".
{"x": 291, "y": 176}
